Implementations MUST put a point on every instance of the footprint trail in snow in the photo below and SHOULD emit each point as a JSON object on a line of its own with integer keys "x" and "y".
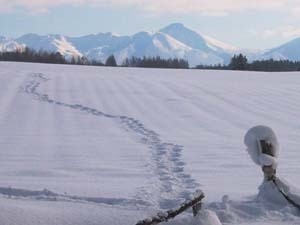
{"x": 172, "y": 184}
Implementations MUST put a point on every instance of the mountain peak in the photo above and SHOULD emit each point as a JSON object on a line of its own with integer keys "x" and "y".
{"x": 179, "y": 27}
{"x": 186, "y": 36}
{"x": 289, "y": 50}
{"x": 175, "y": 25}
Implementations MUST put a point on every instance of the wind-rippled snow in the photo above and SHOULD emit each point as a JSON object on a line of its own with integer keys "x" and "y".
{"x": 92, "y": 145}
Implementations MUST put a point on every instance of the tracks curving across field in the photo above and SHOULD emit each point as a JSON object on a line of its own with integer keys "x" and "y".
{"x": 170, "y": 184}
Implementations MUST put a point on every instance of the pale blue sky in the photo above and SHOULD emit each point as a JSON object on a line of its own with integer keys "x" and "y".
{"x": 244, "y": 23}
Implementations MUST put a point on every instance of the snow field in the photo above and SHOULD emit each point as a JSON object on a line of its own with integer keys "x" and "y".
{"x": 109, "y": 141}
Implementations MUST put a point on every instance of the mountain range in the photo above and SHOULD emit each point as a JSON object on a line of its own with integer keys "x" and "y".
{"x": 173, "y": 41}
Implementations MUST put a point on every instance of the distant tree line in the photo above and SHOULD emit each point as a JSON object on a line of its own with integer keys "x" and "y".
{"x": 212, "y": 67}
{"x": 237, "y": 62}
{"x": 156, "y": 62}
{"x": 30, "y": 55}
{"x": 240, "y": 62}
{"x": 274, "y": 65}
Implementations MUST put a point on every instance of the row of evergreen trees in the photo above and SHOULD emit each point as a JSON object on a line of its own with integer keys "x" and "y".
{"x": 240, "y": 62}
{"x": 273, "y": 65}
{"x": 156, "y": 62}
{"x": 29, "y": 55}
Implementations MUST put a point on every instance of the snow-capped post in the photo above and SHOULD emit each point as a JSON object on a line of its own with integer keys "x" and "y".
{"x": 194, "y": 202}
{"x": 263, "y": 147}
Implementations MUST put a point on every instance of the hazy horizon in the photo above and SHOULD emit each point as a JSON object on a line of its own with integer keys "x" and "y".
{"x": 246, "y": 24}
{"x": 153, "y": 31}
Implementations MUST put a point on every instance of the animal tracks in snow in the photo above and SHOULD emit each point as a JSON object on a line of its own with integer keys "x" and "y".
{"x": 172, "y": 183}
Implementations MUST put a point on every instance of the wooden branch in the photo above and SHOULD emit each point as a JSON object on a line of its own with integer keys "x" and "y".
{"x": 170, "y": 214}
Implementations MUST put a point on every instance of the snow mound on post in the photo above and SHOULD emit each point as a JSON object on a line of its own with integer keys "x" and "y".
{"x": 261, "y": 133}
{"x": 206, "y": 217}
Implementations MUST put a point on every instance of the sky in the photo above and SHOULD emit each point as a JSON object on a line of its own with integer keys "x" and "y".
{"x": 255, "y": 24}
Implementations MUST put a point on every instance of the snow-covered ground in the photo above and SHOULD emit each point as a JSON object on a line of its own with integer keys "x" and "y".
{"x": 95, "y": 145}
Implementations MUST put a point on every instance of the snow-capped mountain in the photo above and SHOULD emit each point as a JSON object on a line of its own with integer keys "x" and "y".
{"x": 51, "y": 43}
{"x": 205, "y": 49}
{"x": 161, "y": 43}
{"x": 219, "y": 45}
{"x": 196, "y": 40}
{"x": 99, "y": 46}
{"x": 165, "y": 46}
{"x": 9, "y": 45}
{"x": 173, "y": 41}
{"x": 187, "y": 36}
{"x": 289, "y": 50}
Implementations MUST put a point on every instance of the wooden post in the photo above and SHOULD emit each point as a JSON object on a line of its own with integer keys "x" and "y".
{"x": 195, "y": 203}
